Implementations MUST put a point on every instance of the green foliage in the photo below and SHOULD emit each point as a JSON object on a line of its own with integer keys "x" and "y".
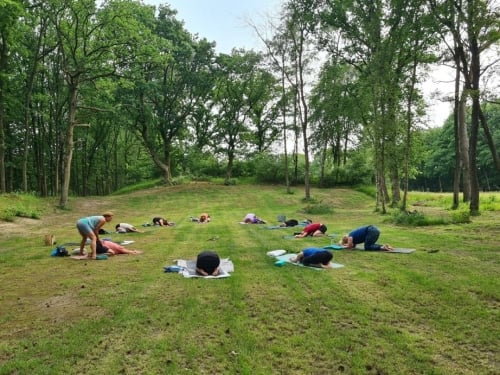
{"x": 270, "y": 168}
{"x": 369, "y": 190}
{"x": 19, "y": 205}
{"x": 460, "y": 216}
{"x": 317, "y": 208}
{"x": 489, "y": 202}
{"x": 415, "y": 218}
{"x": 140, "y": 186}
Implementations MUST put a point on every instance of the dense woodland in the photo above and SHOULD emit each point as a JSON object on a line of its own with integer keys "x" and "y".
{"x": 95, "y": 96}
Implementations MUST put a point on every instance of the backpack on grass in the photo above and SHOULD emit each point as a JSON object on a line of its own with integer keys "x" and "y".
{"x": 60, "y": 251}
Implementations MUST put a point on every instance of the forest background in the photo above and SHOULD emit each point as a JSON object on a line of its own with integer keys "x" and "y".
{"x": 96, "y": 96}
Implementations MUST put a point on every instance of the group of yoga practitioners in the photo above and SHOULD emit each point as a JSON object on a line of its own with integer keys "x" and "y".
{"x": 208, "y": 262}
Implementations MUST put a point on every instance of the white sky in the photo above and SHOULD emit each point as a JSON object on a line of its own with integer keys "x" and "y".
{"x": 224, "y": 22}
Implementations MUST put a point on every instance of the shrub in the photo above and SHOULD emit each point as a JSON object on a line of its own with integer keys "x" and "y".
{"x": 317, "y": 209}
{"x": 415, "y": 218}
{"x": 460, "y": 216}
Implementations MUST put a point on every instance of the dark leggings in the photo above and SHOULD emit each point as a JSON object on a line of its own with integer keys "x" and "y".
{"x": 372, "y": 235}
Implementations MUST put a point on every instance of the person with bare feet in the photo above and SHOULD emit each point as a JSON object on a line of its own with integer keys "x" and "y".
{"x": 112, "y": 248}
{"x": 314, "y": 257}
{"x": 368, "y": 235}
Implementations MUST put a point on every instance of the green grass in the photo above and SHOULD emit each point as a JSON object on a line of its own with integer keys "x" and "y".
{"x": 435, "y": 311}
{"x": 20, "y": 205}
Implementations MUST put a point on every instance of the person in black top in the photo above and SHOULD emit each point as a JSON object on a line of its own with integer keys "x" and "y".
{"x": 207, "y": 263}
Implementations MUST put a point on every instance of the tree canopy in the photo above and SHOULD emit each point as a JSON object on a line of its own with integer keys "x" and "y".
{"x": 95, "y": 96}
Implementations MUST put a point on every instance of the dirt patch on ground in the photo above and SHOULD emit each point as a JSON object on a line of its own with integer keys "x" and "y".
{"x": 54, "y": 216}
{"x": 19, "y": 226}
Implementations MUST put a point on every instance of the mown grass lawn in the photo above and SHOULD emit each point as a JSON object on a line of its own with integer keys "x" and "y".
{"x": 435, "y": 311}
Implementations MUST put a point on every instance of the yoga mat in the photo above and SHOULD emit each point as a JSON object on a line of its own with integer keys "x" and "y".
{"x": 188, "y": 269}
{"x": 287, "y": 257}
{"x": 396, "y": 250}
{"x": 85, "y": 257}
{"x": 333, "y": 247}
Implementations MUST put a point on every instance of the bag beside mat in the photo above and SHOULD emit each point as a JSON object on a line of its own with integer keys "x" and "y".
{"x": 59, "y": 251}
{"x": 49, "y": 240}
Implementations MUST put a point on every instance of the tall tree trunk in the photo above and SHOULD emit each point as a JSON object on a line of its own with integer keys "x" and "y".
{"x": 396, "y": 191}
{"x": 283, "y": 114}
{"x": 4, "y": 55}
{"x": 463, "y": 142}
{"x": 68, "y": 143}
{"x": 456, "y": 108}
{"x": 474, "y": 131}
{"x": 489, "y": 140}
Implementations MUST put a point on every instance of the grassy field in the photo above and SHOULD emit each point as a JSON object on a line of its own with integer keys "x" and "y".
{"x": 435, "y": 311}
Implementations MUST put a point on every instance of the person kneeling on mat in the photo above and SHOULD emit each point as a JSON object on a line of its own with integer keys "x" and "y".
{"x": 314, "y": 257}
{"x": 207, "y": 263}
{"x": 368, "y": 235}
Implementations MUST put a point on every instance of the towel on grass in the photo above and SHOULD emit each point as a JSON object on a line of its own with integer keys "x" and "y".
{"x": 276, "y": 253}
{"x": 188, "y": 269}
{"x": 287, "y": 257}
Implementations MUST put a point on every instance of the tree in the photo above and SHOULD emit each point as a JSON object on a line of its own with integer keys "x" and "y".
{"x": 235, "y": 98}
{"x": 334, "y": 113}
{"x": 474, "y": 27}
{"x": 300, "y": 22}
{"x": 89, "y": 43}
{"x": 381, "y": 40}
{"x": 10, "y": 11}
{"x": 171, "y": 85}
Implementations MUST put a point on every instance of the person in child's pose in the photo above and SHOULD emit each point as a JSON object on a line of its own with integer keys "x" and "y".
{"x": 252, "y": 219}
{"x": 161, "y": 221}
{"x": 112, "y": 248}
{"x": 126, "y": 227}
{"x": 313, "y": 230}
{"x": 207, "y": 263}
{"x": 368, "y": 235}
{"x": 314, "y": 257}
{"x": 204, "y": 218}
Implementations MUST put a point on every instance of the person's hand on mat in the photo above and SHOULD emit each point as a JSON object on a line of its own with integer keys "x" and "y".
{"x": 387, "y": 247}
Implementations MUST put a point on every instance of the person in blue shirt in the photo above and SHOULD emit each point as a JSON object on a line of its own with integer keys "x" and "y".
{"x": 314, "y": 257}
{"x": 368, "y": 235}
{"x": 88, "y": 227}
